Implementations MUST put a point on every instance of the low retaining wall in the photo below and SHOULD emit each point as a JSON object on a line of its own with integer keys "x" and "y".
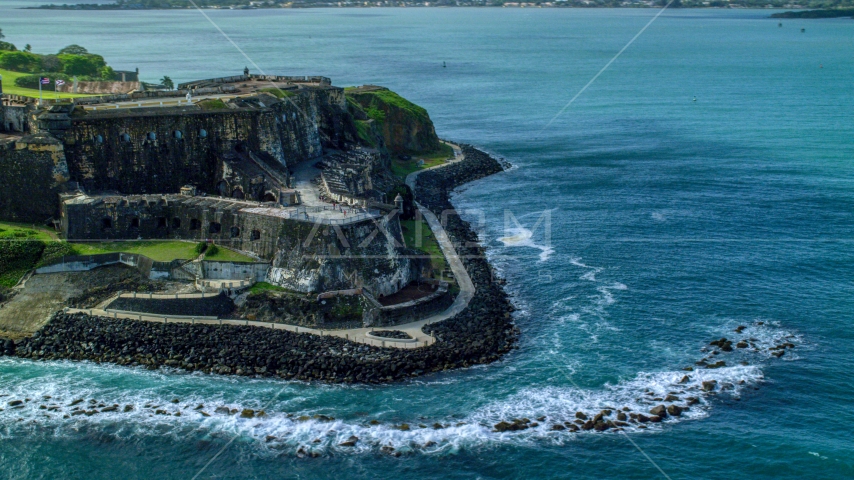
{"x": 213, "y": 270}
{"x": 82, "y": 263}
{"x": 414, "y": 310}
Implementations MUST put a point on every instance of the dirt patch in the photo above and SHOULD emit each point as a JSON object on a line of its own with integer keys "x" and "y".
{"x": 42, "y": 295}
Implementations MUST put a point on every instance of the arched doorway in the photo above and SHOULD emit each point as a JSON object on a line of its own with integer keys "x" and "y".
{"x": 238, "y": 193}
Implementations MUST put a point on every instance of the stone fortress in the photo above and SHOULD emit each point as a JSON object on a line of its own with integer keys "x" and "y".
{"x": 273, "y": 167}
{"x": 299, "y": 175}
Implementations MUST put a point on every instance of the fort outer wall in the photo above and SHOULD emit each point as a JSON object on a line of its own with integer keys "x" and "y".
{"x": 304, "y": 256}
{"x": 32, "y": 172}
{"x": 160, "y": 150}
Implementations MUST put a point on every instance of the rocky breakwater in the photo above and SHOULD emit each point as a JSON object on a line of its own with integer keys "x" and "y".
{"x": 487, "y": 324}
{"x": 480, "y": 334}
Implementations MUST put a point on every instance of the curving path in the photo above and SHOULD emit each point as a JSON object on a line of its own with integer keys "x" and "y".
{"x": 359, "y": 335}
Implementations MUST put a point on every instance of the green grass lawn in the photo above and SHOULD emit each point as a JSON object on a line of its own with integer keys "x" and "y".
{"x": 259, "y": 287}
{"x": 10, "y": 88}
{"x": 277, "y": 92}
{"x": 225, "y": 255}
{"x": 25, "y": 230}
{"x": 427, "y": 243}
{"x": 212, "y": 104}
{"x": 402, "y": 168}
{"x": 160, "y": 251}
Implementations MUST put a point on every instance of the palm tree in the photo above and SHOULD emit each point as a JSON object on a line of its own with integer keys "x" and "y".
{"x": 167, "y": 82}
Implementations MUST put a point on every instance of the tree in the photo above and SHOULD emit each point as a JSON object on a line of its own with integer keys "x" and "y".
{"x": 51, "y": 63}
{"x": 167, "y": 82}
{"x": 20, "y": 62}
{"x": 88, "y": 65}
{"x": 74, "y": 50}
{"x": 28, "y": 48}
{"x": 107, "y": 73}
{"x": 1, "y": 34}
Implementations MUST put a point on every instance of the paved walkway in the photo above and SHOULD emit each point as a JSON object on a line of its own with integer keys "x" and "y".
{"x": 156, "y": 102}
{"x": 359, "y": 335}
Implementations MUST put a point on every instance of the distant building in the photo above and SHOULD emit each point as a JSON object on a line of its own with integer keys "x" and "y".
{"x": 126, "y": 75}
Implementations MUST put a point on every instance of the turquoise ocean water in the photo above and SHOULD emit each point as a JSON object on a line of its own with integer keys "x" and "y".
{"x": 672, "y": 221}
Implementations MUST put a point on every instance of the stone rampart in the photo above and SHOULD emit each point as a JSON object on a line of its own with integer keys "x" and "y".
{"x": 33, "y": 171}
{"x": 306, "y": 256}
{"x": 213, "y": 270}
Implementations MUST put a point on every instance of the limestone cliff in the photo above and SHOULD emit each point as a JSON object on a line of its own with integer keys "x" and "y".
{"x": 406, "y": 128}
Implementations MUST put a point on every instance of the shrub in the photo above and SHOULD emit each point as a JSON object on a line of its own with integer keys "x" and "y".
{"x": 6, "y": 46}
{"x": 17, "y": 257}
{"x": 55, "y": 251}
{"x": 211, "y": 251}
{"x": 200, "y": 248}
{"x": 32, "y": 81}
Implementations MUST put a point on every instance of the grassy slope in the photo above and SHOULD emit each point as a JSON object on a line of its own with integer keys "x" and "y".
{"x": 23, "y": 248}
{"x": 158, "y": 250}
{"x": 212, "y": 104}
{"x": 10, "y": 88}
{"x": 161, "y": 251}
{"x": 31, "y": 231}
{"x": 278, "y": 93}
{"x": 402, "y": 168}
{"x": 427, "y": 243}
{"x": 225, "y": 255}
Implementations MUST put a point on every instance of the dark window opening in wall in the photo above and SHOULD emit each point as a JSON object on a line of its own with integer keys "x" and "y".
{"x": 256, "y": 235}
{"x": 106, "y": 223}
{"x": 268, "y": 197}
{"x": 178, "y": 135}
{"x": 238, "y": 193}
{"x": 195, "y": 224}
{"x": 134, "y": 222}
{"x": 235, "y": 232}
{"x": 215, "y": 227}
{"x": 176, "y": 223}
{"x": 203, "y": 133}
{"x": 152, "y": 136}
{"x": 222, "y": 188}
{"x": 161, "y": 222}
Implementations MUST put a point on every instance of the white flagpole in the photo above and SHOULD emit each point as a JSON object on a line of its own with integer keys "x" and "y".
{"x": 40, "y": 91}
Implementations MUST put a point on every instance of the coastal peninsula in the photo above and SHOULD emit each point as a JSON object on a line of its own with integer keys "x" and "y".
{"x": 247, "y": 225}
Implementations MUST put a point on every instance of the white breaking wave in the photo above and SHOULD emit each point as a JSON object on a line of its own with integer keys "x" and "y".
{"x": 522, "y": 237}
{"x": 46, "y": 408}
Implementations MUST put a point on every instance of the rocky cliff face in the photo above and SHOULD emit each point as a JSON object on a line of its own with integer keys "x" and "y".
{"x": 161, "y": 149}
{"x": 322, "y": 258}
{"x": 406, "y": 128}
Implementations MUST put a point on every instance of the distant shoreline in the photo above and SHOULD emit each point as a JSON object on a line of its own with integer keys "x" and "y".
{"x": 815, "y": 13}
